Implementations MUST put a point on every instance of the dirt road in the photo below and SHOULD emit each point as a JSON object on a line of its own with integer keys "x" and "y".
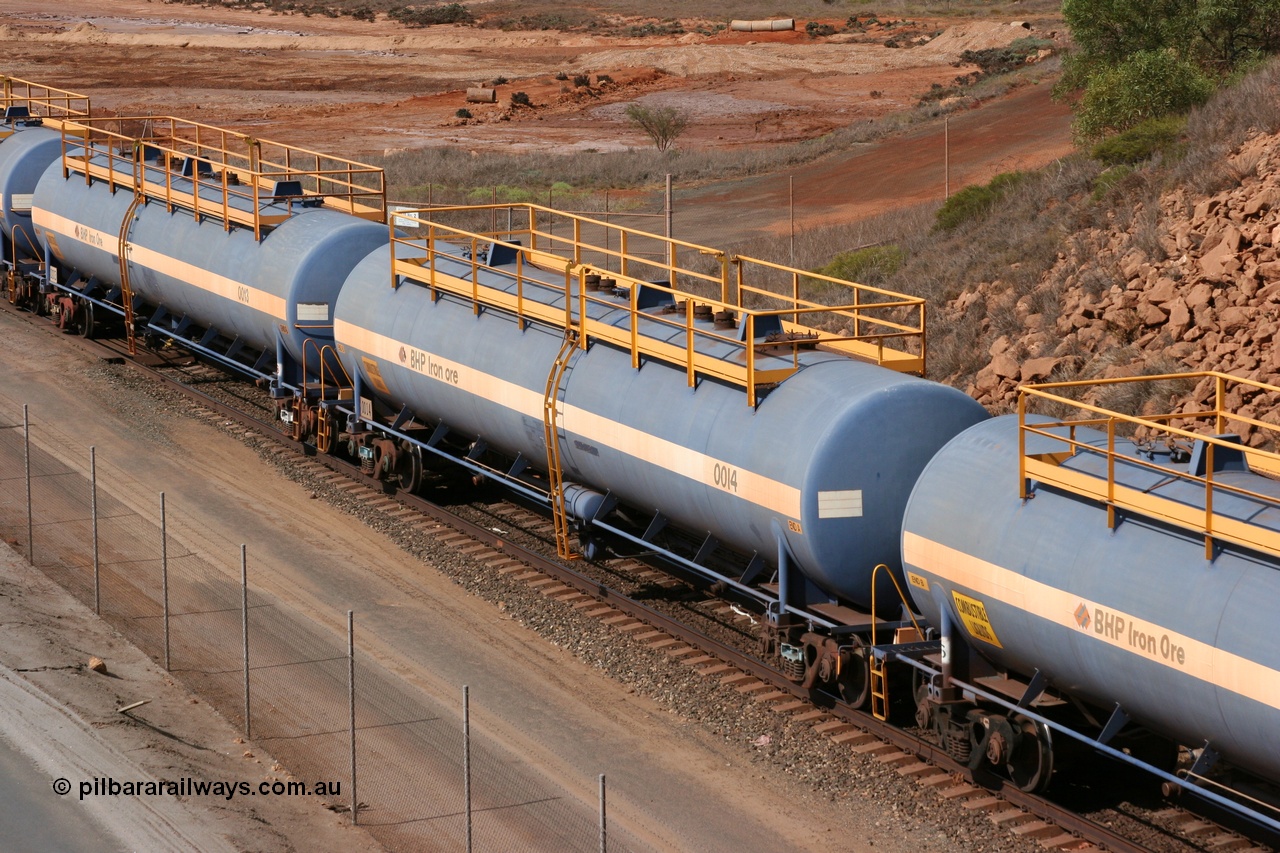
{"x": 1024, "y": 130}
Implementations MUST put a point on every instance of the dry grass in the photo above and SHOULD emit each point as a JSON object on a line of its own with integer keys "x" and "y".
{"x": 1218, "y": 127}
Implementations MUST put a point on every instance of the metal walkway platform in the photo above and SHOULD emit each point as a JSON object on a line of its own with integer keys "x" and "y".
{"x": 1187, "y": 470}
{"x": 744, "y": 322}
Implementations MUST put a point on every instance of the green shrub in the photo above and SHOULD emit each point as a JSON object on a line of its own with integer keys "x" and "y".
{"x": 663, "y": 125}
{"x": 450, "y": 13}
{"x": 1140, "y": 142}
{"x": 973, "y": 202}
{"x": 1001, "y": 60}
{"x": 1149, "y": 84}
{"x": 1109, "y": 180}
{"x": 520, "y": 99}
{"x": 462, "y": 113}
{"x": 866, "y": 266}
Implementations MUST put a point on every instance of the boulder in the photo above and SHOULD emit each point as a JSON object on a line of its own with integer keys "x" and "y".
{"x": 1231, "y": 320}
{"x": 1198, "y": 296}
{"x": 1039, "y": 368}
{"x": 1005, "y": 366}
{"x": 1260, "y": 201}
{"x": 1179, "y": 318}
{"x": 1164, "y": 290}
{"x": 1213, "y": 264}
{"x": 1151, "y": 315}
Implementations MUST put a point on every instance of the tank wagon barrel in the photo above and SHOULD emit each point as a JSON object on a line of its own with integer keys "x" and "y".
{"x": 1130, "y": 562}
{"x": 752, "y": 431}
{"x": 32, "y": 116}
{"x": 235, "y": 243}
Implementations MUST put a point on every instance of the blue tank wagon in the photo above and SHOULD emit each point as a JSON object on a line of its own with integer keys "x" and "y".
{"x": 813, "y": 478}
{"x": 223, "y": 246}
{"x": 1098, "y": 586}
{"x": 30, "y": 139}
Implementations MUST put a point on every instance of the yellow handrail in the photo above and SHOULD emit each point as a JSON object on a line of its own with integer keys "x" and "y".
{"x": 876, "y": 667}
{"x": 44, "y": 101}
{"x": 225, "y": 166}
{"x": 877, "y": 323}
{"x": 1115, "y": 494}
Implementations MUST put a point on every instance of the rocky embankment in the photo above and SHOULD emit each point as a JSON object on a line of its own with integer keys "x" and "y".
{"x": 1194, "y": 285}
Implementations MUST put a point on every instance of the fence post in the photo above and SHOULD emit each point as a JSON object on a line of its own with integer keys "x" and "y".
{"x": 93, "y": 512}
{"x": 244, "y": 609}
{"x": 668, "y": 207}
{"x": 351, "y": 702}
{"x": 604, "y": 822}
{"x": 164, "y": 577}
{"x": 791, "y": 207}
{"x": 26, "y": 458}
{"x": 466, "y": 757}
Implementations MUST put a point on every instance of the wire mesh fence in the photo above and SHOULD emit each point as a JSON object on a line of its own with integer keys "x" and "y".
{"x": 326, "y": 710}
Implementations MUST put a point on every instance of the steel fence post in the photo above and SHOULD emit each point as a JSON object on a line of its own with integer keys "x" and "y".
{"x": 26, "y": 459}
{"x": 351, "y": 703}
{"x": 164, "y": 577}
{"x": 93, "y": 512}
{"x": 604, "y": 822}
{"x": 668, "y": 208}
{"x": 244, "y": 609}
{"x": 466, "y": 757}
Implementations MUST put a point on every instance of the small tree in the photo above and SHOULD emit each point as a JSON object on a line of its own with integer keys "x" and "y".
{"x": 661, "y": 124}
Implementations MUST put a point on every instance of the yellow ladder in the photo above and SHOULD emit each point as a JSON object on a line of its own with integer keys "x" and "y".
{"x": 879, "y": 688}
{"x": 877, "y": 667}
{"x": 555, "y": 477}
{"x": 126, "y": 292}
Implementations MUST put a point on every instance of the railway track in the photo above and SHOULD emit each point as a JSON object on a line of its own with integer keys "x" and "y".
{"x": 717, "y": 649}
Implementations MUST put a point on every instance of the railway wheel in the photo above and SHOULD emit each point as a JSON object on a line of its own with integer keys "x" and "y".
{"x": 854, "y": 681}
{"x": 409, "y": 466}
{"x": 83, "y": 320}
{"x": 1030, "y": 765}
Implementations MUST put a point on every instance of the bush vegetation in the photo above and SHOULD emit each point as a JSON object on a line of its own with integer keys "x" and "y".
{"x": 868, "y": 265}
{"x": 663, "y": 125}
{"x": 426, "y": 16}
{"x": 1135, "y": 60}
{"x": 1002, "y": 60}
{"x": 1140, "y": 142}
{"x": 974, "y": 201}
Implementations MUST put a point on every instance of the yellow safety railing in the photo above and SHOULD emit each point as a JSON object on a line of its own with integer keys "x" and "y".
{"x": 1188, "y": 427}
{"x": 330, "y": 375}
{"x": 218, "y": 173}
{"x": 44, "y": 102}
{"x": 877, "y": 667}
{"x": 876, "y": 325}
